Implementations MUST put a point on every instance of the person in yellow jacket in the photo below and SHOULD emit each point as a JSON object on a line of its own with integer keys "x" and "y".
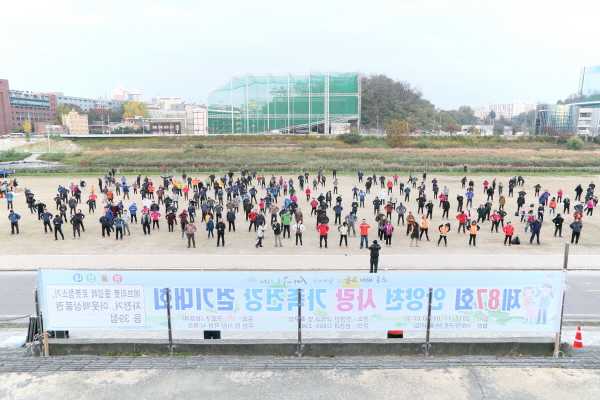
{"x": 502, "y": 202}
{"x": 424, "y": 228}
{"x": 473, "y": 233}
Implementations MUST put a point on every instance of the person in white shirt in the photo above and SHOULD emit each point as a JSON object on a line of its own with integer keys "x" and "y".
{"x": 126, "y": 220}
{"x": 261, "y": 234}
{"x": 343, "y": 230}
{"x": 298, "y": 228}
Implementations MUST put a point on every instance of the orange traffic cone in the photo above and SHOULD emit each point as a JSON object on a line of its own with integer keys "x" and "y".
{"x": 578, "y": 343}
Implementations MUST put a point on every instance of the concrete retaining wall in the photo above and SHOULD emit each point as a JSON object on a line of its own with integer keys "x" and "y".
{"x": 323, "y": 348}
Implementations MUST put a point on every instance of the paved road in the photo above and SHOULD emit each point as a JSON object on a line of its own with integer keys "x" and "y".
{"x": 581, "y": 301}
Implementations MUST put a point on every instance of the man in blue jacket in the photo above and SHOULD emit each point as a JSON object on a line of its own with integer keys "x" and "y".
{"x": 133, "y": 212}
{"x": 14, "y": 218}
{"x": 47, "y": 218}
{"x": 536, "y": 227}
{"x": 9, "y": 200}
{"x": 338, "y": 213}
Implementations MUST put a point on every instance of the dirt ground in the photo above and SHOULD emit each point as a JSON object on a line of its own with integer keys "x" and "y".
{"x": 32, "y": 239}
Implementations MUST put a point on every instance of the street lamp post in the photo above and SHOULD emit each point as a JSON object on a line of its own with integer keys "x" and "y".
{"x": 378, "y": 124}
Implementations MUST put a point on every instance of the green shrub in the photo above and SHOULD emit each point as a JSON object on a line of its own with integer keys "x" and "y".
{"x": 199, "y": 145}
{"x": 313, "y": 145}
{"x": 351, "y": 138}
{"x": 12, "y": 155}
{"x": 53, "y": 157}
{"x": 574, "y": 143}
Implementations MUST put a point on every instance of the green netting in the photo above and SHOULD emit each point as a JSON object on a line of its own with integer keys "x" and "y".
{"x": 253, "y": 103}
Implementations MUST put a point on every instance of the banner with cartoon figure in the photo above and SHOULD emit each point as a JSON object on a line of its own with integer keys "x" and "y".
{"x": 247, "y": 301}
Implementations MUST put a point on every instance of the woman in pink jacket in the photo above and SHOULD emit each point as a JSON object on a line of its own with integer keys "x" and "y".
{"x": 590, "y": 207}
{"x": 388, "y": 229}
{"x": 155, "y": 219}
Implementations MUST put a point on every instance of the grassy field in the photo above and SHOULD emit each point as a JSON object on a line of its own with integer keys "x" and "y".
{"x": 12, "y": 155}
{"x": 336, "y": 142}
{"x": 275, "y": 158}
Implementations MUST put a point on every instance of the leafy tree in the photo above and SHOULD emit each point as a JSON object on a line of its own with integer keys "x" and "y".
{"x": 464, "y": 115}
{"x": 574, "y": 143}
{"x": 498, "y": 129}
{"x": 548, "y": 130}
{"x": 27, "y": 127}
{"x": 133, "y": 109}
{"x": 66, "y": 108}
{"x": 97, "y": 114}
{"x": 451, "y": 127}
{"x": 62, "y": 110}
{"x": 17, "y": 128}
{"x": 492, "y": 114}
{"x": 398, "y": 134}
{"x": 385, "y": 99}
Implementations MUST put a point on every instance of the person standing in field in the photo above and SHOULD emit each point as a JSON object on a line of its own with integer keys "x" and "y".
{"x": 322, "y": 229}
{"x": 414, "y": 233}
{"x": 221, "y": 232}
{"x": 261, "y": 234}
{"x": 190, "y": 232}
{"x": 388, "y": 230}
{"x": 444, "y": 229}
{"x": 57, "y": 222}
{"x": 364, "y": 233}
{"x": 473, "y": 234}
{"x": 374, "y": 259}
{"x": 508, "y": 233}
{"x": 576, "y": 231}
{"x": 558, "y": 223}
{"x": 298, "y": 229}
{"x": 536, "y": 228}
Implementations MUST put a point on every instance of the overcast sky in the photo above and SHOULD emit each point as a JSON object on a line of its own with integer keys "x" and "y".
{"x": 457, "y": 52}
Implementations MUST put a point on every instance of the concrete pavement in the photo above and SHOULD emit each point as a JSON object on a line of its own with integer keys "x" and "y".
{"x": 321, "y": 262}
{"x": 127, "y": 378}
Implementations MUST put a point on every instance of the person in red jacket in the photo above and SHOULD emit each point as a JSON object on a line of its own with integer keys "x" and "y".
{"x": 389, "y": 207}
{"x": 313, "y": 205}
{"x": 508, "y": 232}
{"x": 462, "y": 222}
{"x": 252, "y": 217}
{"x": 307, "y": 191}
{"x": 322, "y": 229}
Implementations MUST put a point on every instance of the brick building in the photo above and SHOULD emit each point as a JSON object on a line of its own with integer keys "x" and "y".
{"x": 17, "y": 106}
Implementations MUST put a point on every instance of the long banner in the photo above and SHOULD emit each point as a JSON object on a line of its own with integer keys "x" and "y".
{"x": 247, "y": 301}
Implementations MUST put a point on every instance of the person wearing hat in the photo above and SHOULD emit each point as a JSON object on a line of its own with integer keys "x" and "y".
{"x": 374, "y": 261}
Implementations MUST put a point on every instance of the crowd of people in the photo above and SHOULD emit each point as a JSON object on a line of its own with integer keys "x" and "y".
{"x": 278, "y": 207}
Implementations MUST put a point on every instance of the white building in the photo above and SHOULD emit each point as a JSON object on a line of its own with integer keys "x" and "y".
{"x": 505, "y": 110}
{"x": 88, "y": 103}
{"x": 588, "y": 121}
{"x": 165, "y": 103}
{"x": 127, "y": 94}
